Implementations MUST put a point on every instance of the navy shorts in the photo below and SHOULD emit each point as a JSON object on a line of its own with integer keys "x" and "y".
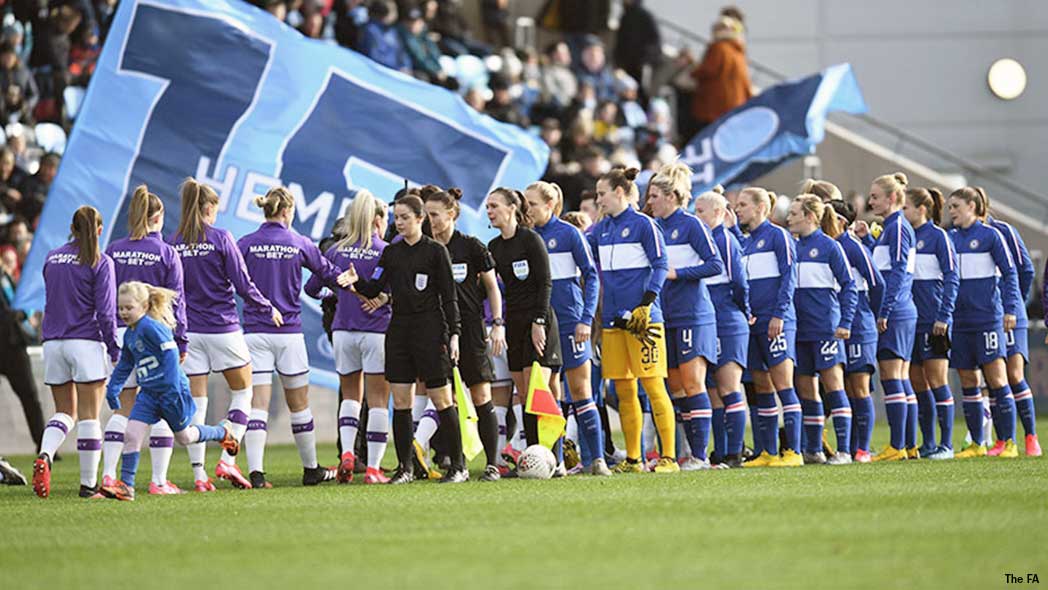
{"x": 765, "y": 352}
{"x": 897, "y": 341}
{"x": 1018, "y": 343}
{"x": 176, "y": 408}
{"x": 922, "y": 349}
{"x": 686, "y": 344}
{"x": 814, "y": 356}
{"x": 732, "y": 348}
{"x": 574, "y": 354}
{"x": 972, "y": 350}
{"x": 861, "y": 356}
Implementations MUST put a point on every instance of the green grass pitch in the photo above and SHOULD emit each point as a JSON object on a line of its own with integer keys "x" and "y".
{"x": 947, "y": 525}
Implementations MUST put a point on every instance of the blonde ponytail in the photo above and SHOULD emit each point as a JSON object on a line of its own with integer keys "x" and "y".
{"x": 275, "y": 201}
{"x": 84, "y": 231}
{"x": 674, "y": 179}
{"x": 359, "y": 225}
{"x": 195, "y": 196}
{"x": 144, "y": 206}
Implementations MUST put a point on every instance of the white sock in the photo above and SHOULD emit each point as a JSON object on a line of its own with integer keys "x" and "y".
{"x": 682, "y": 440}
{"x": 520, "y": 441}
{"x": 161, "y": 447}
{"x": 305, "y": 438}
{"x": 348, "y": 424}
{"x": 255, "y": 439}
{"x": 113, "y": 445}
{"x": 427, "y": 426}
{"x": 572, "y": 429}
{"x": 647, "y": 434}
{"x": 198, "y": 451}
{"x": 378, "y": 435}
{"x": 239, "y": 407}
{"x": 500, "y": 415}
{"x": 418, "y": 407}
{"x": 55, "y": 433}
{"x": 89, "y": 446}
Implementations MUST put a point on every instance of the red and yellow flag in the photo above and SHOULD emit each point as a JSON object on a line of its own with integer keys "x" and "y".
{"x": 541, "y": 403}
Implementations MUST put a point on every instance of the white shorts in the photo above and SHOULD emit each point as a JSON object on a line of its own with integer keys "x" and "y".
{"x": 501, "y": 365}
{"x": 76, "y": 360}
{"x": 131, "y": 381}
{"x": 359, "y": 351}
{"x": 214, "y": 353}
{"x": 283, "y": 353}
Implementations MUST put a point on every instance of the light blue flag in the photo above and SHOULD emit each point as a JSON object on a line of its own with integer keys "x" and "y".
{"x": 222, "y": 91}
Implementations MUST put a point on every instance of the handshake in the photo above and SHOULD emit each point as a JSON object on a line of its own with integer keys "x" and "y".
{"x": 638, "y": 322}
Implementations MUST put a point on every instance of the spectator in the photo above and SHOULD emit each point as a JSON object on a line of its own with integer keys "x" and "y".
{"x": 381, "y": 41}
{"x": 551, "y": 135}
{"x": 558, "y": 83}
{"x": 723, "y": 77}
{"x": 476, "y": 98}
{"x": 50, "y": 56}
{"x": 34, "y": 188}
{"x": 593, "y": 69}
{"x": 605, "y": 124}
{"x": 15, "y": 329}
{"x": 502, "y": 106}
{"x": 14, "y": 34}
{"x": 16, "y": 142}
{"x": 496, "y": 18}
{"x": 11, "y": 177}
{"x": 453, "y": 28}
{"x": 424, "y": 53}
{"x": 275, "y": 7}
{"x": 638, "y": 44}
{"x": 593, "y": 165}
{"x": 350, "y": 18}
{"x": 105, "y": 10}
{"x": 588, "y": 205}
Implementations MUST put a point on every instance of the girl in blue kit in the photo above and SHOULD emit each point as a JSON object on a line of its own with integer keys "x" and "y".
{"x": 151, "y": 352}
{"x": 986, "y": 309}
{"x": 1016, "y": 340}
{"x": 691, "y": 331}
{"x": 576, "y": 290}
{"x": 861, "y": 347}
{"x": 895, "y": 256}
{"x": 730, "y": 294}
{"x": 770, "y": 261}
{"x": 825, "y": 299}
{"x": 934, "y": 294}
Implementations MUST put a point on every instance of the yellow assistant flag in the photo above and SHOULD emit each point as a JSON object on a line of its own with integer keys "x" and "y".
{"x": 541, "y": 403}
{"x": 471, "y": 445}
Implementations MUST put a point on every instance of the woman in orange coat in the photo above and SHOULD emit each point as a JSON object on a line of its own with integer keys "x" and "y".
{"x": 723, "y": 76}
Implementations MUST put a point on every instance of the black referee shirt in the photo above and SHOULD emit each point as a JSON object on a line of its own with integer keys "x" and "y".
{"x": 523, "y": 264}
{"x": 469, "y": 258}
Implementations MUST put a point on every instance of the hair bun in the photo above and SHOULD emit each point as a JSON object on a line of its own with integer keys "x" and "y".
{"x": 455, "y": 192}
{"x": 631, "y": 173}
{"x": 717, "y": 189}
{"x": 261, "y": 201}
{"x": 899, "y": 176}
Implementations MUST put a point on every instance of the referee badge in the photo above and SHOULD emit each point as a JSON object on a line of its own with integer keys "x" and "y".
{"x": 458, "y": 272}
{"x": 521, "y": 270}
{"x": 421, "y": 280}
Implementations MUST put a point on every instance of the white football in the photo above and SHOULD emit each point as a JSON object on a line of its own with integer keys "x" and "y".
{"x": 536, "y": 462}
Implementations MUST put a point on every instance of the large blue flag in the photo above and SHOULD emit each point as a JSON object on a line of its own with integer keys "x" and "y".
{"x": 222, "y": 91}
{"x": 783, "y": 122}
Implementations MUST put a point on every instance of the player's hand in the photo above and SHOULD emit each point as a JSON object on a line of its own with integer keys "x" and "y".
{"x": 842, "y": 334}
{"x": 278, "y": 319}
{"x": 860, "y": 228}
{"x": 538, "y": 338}
{"x": 453, "y": 348}
{"x": 882, "y": 325}
{"x": 774, "y": 328}
{"x": 671, "y": 274}
{"x": 583, "y": 332}
{"x": 352, "y": 276}
{"x": 497, "y": 338}
{"x": 113, "y": 401}
{"x": 347, "y": 278}
{"x": 729, "y": 218}
{"x": 373, "y": 305}
{"x": 753, "y": 319}
{"x": 939, "y": 328}
{"x": 1009, "y": 322}
{"x": 181, "y": 358}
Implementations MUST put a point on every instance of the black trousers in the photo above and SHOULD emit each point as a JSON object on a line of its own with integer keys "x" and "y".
{"x": 19, "y": 372}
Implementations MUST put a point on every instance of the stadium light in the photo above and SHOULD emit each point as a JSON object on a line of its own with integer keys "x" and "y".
{"x": 1007, "y": 78}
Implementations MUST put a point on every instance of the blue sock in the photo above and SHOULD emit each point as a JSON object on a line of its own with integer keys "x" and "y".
{"x": 768, "y": 423}
{"x": 210, "y": 432}
{"x": 792, "y": 418}
{"x": 814, "y": 421}
{"x": 895, "y": 410}
{"x": 591, "y": 431}
{"x": 1005, "y": 412}
{"x": 911, "y": 414}
{"x": 973, "y": 413}
{"x": 755, "y": 426}
{"x": 926, "y": 417}
{"x": 841, "y": 414}
{"x": 720, "y": 435}
{"x": 1024, "y": 405}
{"x": 128, "y": 468}
{"x": 865, "y": 416}
{"x": 944, "y": 412}
{"x": 734, "y": 422}
{"x": 698, "y": 414}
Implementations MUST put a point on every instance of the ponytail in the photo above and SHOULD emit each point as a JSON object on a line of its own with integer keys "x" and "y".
{"x": 358, "y": 226}
{"x": 275, "y": 201}
{"x": 551, "y": 193}
{"x": 195, "y": 196}
{"x": 823, "y": 213}
{"x": 515, "y": 198}
{"x": 830, "y": 223}
{"x": 929, "y": 198}
{"x": 976, "y": 195}
{"x": 84, "y": 232}
{"x": 674, "y": 179}
{"x": 144, "y": 206}
{"x": 158, "y": 301}
{"x": 827, "y": 191}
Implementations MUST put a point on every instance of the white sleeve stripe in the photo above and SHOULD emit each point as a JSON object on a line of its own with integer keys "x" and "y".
{"x": 898, "y": 242}
{"x": 1018, "y": 250}
{"x": 654, "y": 235}
{"x": 727, "y": 255}
{"x": 844, "y": 255}
{"x": 169, "y": 345}
{"x": 1004, "y": 243}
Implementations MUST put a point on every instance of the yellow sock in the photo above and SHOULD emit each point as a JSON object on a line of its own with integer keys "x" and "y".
{"x": 630, "y": 415}
{"x": 662, "y": 414}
